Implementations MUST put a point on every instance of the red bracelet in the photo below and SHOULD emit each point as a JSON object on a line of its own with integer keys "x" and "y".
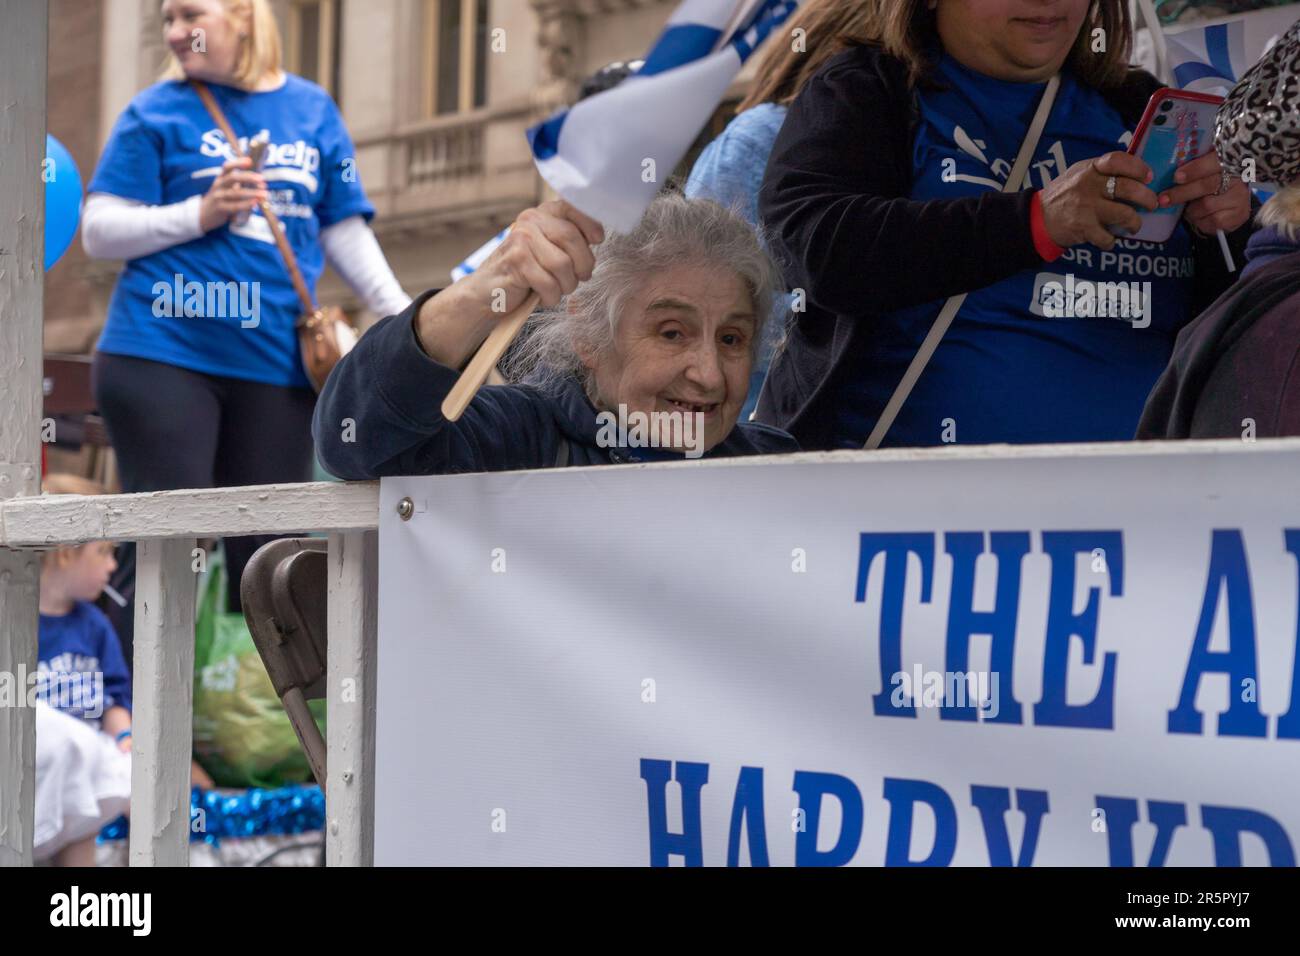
{"x": 1043, "y": 242}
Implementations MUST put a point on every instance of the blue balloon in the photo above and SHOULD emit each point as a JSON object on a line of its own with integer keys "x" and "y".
{"x": 62, "y": 200}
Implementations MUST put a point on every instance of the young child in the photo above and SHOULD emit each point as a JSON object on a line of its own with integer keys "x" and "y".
{"x": 83, "y": 720}
{"x": 83, "y": 735}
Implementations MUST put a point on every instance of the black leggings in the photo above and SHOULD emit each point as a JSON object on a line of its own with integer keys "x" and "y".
{"x": 174, "y": 428}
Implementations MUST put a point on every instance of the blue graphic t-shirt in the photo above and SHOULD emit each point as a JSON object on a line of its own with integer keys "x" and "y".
{"x": 1035, "y": 357}
{"x": 223, "y": 304}
{"x": 80, "y": 665}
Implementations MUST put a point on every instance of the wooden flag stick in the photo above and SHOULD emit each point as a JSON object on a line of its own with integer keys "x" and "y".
{"x": 486, "y": 358}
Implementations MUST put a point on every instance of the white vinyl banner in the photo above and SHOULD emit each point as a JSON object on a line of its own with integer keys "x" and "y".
{"x": 1034, "y": 657}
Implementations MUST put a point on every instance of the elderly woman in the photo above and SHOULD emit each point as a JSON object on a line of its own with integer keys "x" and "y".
{"x": 884, "y": 190}
{"x": 657, "y": 327}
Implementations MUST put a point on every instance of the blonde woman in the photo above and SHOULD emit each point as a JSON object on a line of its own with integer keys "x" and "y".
{"x": 198, "y": 372}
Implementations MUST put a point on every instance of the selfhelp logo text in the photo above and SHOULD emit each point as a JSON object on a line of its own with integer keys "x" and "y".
{"x": 102, "y": 909}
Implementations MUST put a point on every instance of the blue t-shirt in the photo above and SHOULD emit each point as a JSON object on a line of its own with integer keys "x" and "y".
{"x": 223, "y": 304}
{"x": 80, "y": 663}
{"x": 1009, "y": 370}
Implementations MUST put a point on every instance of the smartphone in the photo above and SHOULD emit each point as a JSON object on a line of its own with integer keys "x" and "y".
{"x": 1177, "y": 127}
{"x": 257, "y": 153}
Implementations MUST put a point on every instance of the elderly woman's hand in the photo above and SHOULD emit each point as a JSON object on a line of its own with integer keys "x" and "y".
{"x": 1214, "y": 201}
{"x": 548, "y": 250}
{"x": 1077, "y": 209}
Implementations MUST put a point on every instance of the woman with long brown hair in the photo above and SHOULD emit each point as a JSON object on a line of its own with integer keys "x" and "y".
{"x": 884, "y": 195}
{"x": 730, "y": 169}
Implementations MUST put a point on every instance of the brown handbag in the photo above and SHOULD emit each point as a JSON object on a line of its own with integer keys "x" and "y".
{"x": 323, "y": 334}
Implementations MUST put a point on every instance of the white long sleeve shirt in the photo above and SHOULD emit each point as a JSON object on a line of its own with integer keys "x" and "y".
{"x": 117, "y": 228}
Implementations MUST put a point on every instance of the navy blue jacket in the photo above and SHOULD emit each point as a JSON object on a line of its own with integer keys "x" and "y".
{"x": 392, "y": 392}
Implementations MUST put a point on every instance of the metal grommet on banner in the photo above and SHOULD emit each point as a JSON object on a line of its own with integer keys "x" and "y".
{"x": 405, "y": 508}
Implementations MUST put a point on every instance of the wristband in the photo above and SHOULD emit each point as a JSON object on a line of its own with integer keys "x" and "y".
{"x": 1043, "y": 242}
{"x": 122, "y": 736}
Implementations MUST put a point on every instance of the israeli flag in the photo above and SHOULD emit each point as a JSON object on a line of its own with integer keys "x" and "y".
{"x": 611, "y": 153}
{"x": 1209, "y": 59}
{"x": 475, "y": 258}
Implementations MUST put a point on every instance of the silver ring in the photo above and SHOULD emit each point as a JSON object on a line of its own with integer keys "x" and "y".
{"x": 1225, "y": 179}
{"x": 1110, "y": 188}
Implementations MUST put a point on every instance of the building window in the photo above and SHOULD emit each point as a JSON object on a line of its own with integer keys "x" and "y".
{"x": 455, "y": 55}
{"x": 314, "y": 35}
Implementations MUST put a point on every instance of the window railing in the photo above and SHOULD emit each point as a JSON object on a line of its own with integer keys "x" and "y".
{"x": 442, "y": 167}
{"x": 430, "y": 156}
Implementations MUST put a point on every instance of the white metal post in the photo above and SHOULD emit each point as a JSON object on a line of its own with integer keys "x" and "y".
{"x": 23, "y": 53}
{"x": 163, "y": 694}
{"x": 350, "y": 700}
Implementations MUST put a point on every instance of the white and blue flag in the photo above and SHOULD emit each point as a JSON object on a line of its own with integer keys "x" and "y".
{"x": 610, "y": 154}
{"x": 1209, "y": 59}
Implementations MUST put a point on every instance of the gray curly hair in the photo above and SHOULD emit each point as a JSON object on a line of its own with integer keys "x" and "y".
{"x": 673, "y": 231}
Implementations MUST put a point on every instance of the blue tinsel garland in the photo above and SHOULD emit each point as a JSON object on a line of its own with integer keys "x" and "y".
{"x": 285, "y": 810}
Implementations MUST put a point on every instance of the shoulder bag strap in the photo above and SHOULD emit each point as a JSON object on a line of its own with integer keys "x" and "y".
{"x": 277, "y": 229}
{"x": 950, "y": 308}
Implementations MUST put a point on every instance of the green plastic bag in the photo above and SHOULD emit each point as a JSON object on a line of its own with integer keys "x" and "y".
{"x": 242, "y": 736}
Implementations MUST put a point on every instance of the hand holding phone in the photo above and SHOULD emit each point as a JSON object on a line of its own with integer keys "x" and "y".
{"x": 1176, "y": 128}
{"x": 1077, "y": 209}
{"x": 257, "y": 155}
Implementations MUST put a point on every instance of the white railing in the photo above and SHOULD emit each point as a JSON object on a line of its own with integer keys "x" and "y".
{"x": 165, "y": 525}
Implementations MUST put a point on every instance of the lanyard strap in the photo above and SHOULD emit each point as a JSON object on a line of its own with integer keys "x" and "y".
{"x": 277, "y": 229}
{"x": 951, "y": 307}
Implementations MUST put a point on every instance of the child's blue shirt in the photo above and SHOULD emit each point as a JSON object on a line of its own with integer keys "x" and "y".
{"x": 82, "y": 643}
